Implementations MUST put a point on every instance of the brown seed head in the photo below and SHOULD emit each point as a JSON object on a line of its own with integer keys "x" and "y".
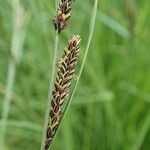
{"x": 60, "y": 92}
{"x": 63, "y": 14}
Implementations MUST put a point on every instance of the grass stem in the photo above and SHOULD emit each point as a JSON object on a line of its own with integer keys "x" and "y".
{"x": 50, "y": 90}
{"x": 7, "y": 100}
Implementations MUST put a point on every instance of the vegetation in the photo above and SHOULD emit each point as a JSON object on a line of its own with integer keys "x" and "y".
{"x": 110, "y": 108}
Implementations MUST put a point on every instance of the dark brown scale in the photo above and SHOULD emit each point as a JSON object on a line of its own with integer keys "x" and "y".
{"x": 47, "y": 144}
{"x": 64, "y": 64}
{"x": 54, "y": 120}
{"x": 49, "y": 132}
{"x": 73, "y": 60}
{"x": 53, "y": 103}
{"x": 52, "y": 113}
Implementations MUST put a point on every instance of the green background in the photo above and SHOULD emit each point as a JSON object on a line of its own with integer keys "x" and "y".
{"x": 111, "y": 107}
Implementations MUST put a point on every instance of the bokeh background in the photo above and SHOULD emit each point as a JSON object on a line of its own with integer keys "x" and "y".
{"x": 111, "y": 107}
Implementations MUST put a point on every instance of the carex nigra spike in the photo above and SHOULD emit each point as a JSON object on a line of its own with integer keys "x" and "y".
{"x": 65, "y": 72}
{"x": 63, "y": 14}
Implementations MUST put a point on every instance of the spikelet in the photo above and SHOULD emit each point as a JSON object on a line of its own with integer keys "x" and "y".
{"x": 63, "y": 14}
{"x": 66, "y": 69}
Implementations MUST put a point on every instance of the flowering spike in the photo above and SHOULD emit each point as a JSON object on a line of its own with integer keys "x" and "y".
{"x": 63, "y": 14}
{"x": 60, "y": 92}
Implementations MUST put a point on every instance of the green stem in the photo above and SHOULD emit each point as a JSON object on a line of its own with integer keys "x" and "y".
{"x": 50, "y": 91}
{"x": 7, "y": 100}
{"x": 50, "y": 86}
{"x": 142, "y": 134}
{"x": 92, "y": 25}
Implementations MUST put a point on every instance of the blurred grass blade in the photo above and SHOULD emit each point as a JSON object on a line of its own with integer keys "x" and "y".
{"x": 145, "y": 129}
{"x": 114, "y": 25}
{"x": 18, "y": 37}
{"x": 23, "y": 124}
{"x": 93, "y": 98}
{"x": 91, "y": 30}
